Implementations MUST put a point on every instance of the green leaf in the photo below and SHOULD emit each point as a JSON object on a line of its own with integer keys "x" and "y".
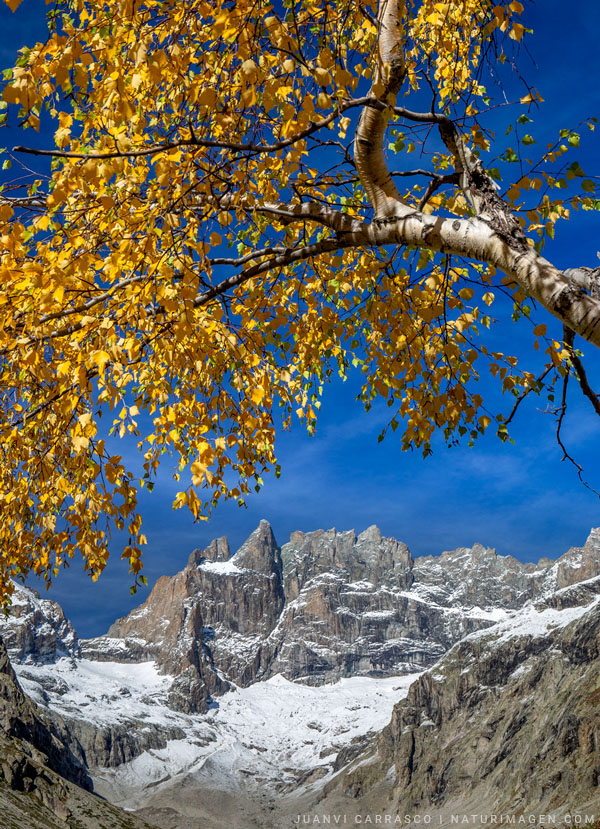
{"x": 574, "y": 170}
{"x": 528, "y": 139}
{"x": 573, "y": 140}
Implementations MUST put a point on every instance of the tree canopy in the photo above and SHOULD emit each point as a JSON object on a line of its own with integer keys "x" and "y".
{"x": 244, "y": 197}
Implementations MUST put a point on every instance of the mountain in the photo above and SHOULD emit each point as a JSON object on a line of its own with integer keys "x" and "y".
{"x": 42, "y": 784}
{"x": 507, "y": 722}
{"x": 326, "y": 605}
{"x": 247, "y": 688}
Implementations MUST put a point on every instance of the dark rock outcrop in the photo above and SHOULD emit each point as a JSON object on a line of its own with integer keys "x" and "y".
{"x": 209, "y": 620}
{"x": 37, "y": 630}
{"x": 508, "y": 719}
{"x": 327, "y": 605}
{"x": 43, "y": 783}
{"x": 22, "y": 720}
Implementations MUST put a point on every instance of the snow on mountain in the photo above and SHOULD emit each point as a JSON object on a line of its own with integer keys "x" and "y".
{"x": 505, "y": 723}
{"x": 99, "y": 692}
{"x": 37, "y": 630}
{"x": 264, "y": 672}
{"x": 265, "y": 738}
{"x": 536, "y": 621}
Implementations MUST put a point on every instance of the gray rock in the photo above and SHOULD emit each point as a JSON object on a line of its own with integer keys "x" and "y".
{"x": 36, "y": 629}
{"x": 506, "y": 721}
{"x": 22, "y": 720}
{"x": 327, "y": 605}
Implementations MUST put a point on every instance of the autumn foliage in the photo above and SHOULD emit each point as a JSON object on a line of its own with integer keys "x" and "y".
{"x": 201, "y": 248}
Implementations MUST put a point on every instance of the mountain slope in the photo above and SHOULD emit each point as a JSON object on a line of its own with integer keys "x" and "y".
{"x": 507, "y": 722}
{"x": 42, "y": 784}
{"x": 250, "y": 688}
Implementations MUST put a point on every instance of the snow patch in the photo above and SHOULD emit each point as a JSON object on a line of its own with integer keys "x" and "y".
{"x": 100, "y": 692}
{"x": 529, "y": 621}
{"x": 268, "y": 734}
{"x": 220, "y": 567}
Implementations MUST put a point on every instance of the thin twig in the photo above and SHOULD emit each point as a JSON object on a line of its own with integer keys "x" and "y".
{"x": 568, "y": 337}
{"x": 591, "y": 395}
{"x": 526, "y": 393}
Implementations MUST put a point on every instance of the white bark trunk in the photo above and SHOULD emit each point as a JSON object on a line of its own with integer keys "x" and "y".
{"x": 494, "y": 237}
{"x": 476, "y": 239}
{"x": 388, "y": 74}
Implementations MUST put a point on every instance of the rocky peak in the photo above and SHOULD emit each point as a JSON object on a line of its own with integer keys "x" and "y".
{"x": 576, "y": 565}
{"x": 36, "y": 629}
{"x": 209, "y": 619}
{"x": 475, "y": 577}
{"x": 366, "y": 557}
{"x": 382, "y": 554}
{"x": 260, "y": 552}
{"x": 217, "y": 550}
{"x": 327, "y": 605}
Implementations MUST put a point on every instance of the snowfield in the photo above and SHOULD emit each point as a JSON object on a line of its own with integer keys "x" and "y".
{"x": 270, "y": 735}
{"x": 267, "y": 736}
{"x": 102, "y": 693}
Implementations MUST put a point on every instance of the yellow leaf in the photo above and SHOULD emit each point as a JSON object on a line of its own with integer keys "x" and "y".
{"x": 13, "y": 5}
{"x": 100, "y": 358}
{"x": 540, "y": 330}
{"x": 256, "y": 395}
{"x": 517, "y": 31}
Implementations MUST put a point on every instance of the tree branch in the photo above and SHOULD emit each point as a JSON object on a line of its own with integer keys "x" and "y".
{"x": 203, "y": 142}
{"x": 290, "y": 257}
{"x": 388, "y": 74}
{"x": 566, "y": 456}
{"x": 526, "y": 393}
{"x": 568, "y": 338}
{"x": 313, "y": 211}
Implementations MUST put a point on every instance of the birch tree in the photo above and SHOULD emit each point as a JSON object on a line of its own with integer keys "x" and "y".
{"x": 243, "y": 198}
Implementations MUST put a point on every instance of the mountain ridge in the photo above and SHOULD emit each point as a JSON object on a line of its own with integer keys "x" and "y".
{"x": 191, "y": 690}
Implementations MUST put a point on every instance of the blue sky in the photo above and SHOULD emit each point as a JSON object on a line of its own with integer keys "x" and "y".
{"x": 520, "y": 499}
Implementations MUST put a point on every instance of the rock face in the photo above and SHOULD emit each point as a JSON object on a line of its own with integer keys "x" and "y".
{"x": 20, "y": 719}
{"x": 43, "y": 785}
{"x": 507, "y": 719}
{"x": 477, "y": 576}
{"x": 367, "y": 557}
{"x": 37, "y": 630}
{"x": 207, "y": 622}
{"x": 324, "y": 606}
